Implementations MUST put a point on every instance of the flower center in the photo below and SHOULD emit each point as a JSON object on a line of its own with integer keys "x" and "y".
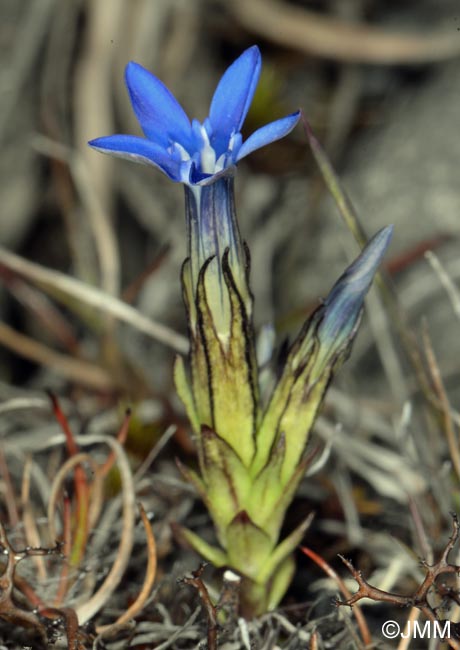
{"x": 204, "y": 154}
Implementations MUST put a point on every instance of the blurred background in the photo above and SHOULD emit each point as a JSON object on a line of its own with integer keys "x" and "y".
{"x": 83, "y": 235}
{"x": 377, "y": 79}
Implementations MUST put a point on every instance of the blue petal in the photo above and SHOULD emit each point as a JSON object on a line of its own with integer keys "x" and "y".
{"x": 232, "y": 98}
{"x": 139, "y": 150}
{"x": 343, "y": 305}
{"x": 268, "y": 133}
{"x": 160, "y": 115}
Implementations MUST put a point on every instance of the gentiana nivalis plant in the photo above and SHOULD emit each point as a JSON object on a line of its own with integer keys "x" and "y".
{"x": 251, "y": 453}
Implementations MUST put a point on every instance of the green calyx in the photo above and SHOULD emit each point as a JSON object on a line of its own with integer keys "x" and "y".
{"x": 251, "y": 459}
{"x": 252, "y": 456}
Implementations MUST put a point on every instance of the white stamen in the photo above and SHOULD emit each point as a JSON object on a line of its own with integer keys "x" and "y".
{"x": 220, "y": 163}
{"x": 231, "y": 143}
{"x": 208, "y": 155}
{"x": 184, "y": 154}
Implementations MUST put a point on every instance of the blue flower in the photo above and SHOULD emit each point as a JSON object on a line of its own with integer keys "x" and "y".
{"x": 190, "y": 152}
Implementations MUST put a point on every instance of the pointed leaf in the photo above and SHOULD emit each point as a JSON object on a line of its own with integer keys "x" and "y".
{"x": 283, "y": 550}
{"x": 231, "y": 366}
{"x": 185, "y": 393}
{"x": 193, "y": 478}
{"x": 248, "y": 546}
{"x": 267, "y": 487}
{"x": 207, "y": 551}
{"x": 280, "y": 582}
{"x": 227, "y": 480}
{"x": 274, "y": 521}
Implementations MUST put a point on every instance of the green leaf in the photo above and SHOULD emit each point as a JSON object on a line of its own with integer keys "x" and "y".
{"x": 296, "y": 371}
{"x": 267, "y": 487}
{"x": 248, "y": 546}
{"x": 274, "y": 520}
{"x": 227, "y": 480}
{"x": 207, "y": 551}
{"x": 280, "y": 582}
{"x": 229, "y": 362}
{"x": 185, "y": 392}
{"x": 193, "y": 478}
{"x": 283, "y": 550}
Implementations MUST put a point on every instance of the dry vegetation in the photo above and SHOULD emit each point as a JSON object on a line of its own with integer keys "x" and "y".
{"x": 90, "y": 311}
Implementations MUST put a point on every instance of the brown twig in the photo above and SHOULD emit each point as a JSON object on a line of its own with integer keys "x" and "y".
{"x": 328, "y": 570}
{"x": 419, "y": 599}
{"x": 211, "y": 611}
{"x": 70, "y": 623}
{"x": 8, "y": 610}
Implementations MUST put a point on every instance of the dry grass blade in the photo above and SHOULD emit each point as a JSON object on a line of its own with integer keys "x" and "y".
{"x": 88, "y": 609}
{"x": 180, "y": 631}
{"x": 29, "y": 519}
{"x": 75, "y": 370}
{"x": 332, "y": 38}
{"x": 396, "y": 313}
{"x": 90, "y": 606}
{"x": 122, "y": 435}
{"x": 23, "y": 404}
{"x": 150, "y": 575}
{"x": 41, "y": 307}
{"x": 81, "y": 487}
{"x": 100, "y": 224}
{"x": 153, "y": 453}
{"x": 10, "y": 498}
{"x": 445, "y": 280}
{"x": 451, "y": 434}
{"x": 405, "y": 642}
{"x": 67, "y": 290}
{"x": 344, "y": 205}
{"x": 58, "y": 481}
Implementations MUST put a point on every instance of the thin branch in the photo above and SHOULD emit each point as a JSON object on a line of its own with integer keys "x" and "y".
{"x": 419, "y": 599}
{"x": 365, "y": 633}
{"x": 211, "y": 611}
